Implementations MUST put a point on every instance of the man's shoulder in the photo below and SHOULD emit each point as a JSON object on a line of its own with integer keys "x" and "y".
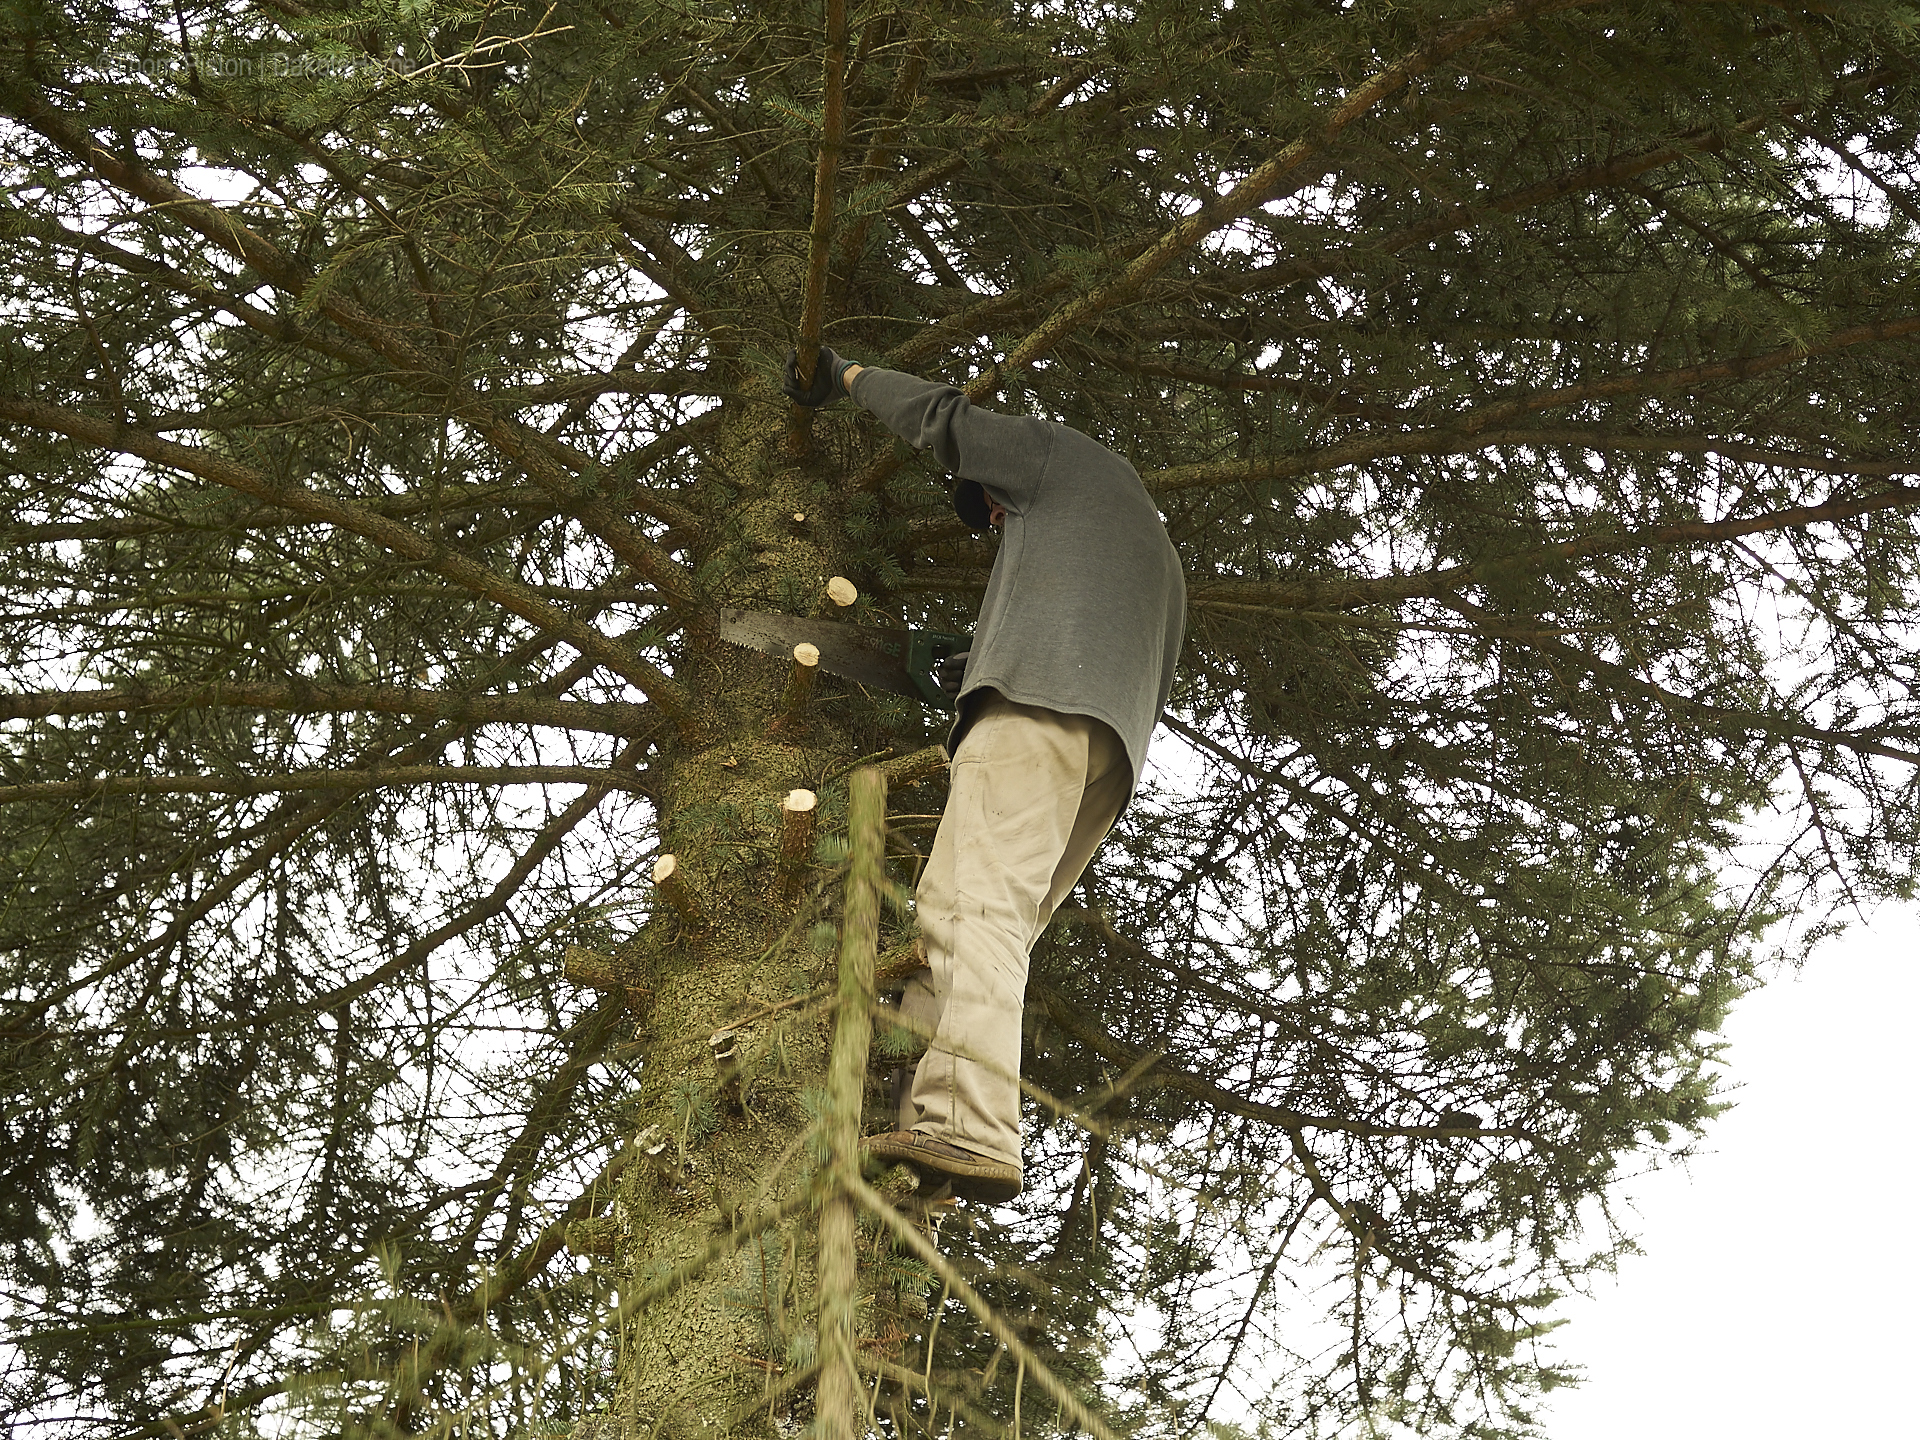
{"x": 1076, "y": 447}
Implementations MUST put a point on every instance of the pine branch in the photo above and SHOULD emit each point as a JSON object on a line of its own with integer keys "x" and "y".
{"x": 880, "y": 147}
{"x": 1259, "y": 187}
{"x": 122, "y": 603}
{"x": 292, "y": 824}
{"x": 399, "y": 776}
{"x": 924, "y": 1251}
{"x": 1898, "y": 199}
{"x": 1368, "y": 1234}
{"x": 589, "y": 1041}
{"x": 214, "y": 1413}
{"x": 915, "y": 183}
{"x": 210, "y": 221}
{"x": 909, "y": 225}
{"x": 543, "y": 844}
{"x": 1686, "y": 377}
{"x": 1409, "y": 858}
{"x": 1236, "y": 1001}
{"x": 657, "y": 255}
{"x": 314, "y": 698}
{"x": 679, "y": 383}
{"x": 1454, "y": 441}
{"x": 717, "y": 117}
{"x": 534, "y": 453}
{"x": 1072, "y": 1020}
{"x": 161, "y": 275}
{"x": 1338, "y": 594}
{"x": 283, "y": 827}
{"x": 357, "y": 519}
{"x": 1740, "y": 720}
{"x": 422, "y": 1362}
{"x": 446, "y": 500}
{"x": 524, "y": 446}
{"x": 1264, "y": 183}
{"x": 836, "y": 1396}
{"x": 1463, "y": 218}
{"x": 1325, "y": 401}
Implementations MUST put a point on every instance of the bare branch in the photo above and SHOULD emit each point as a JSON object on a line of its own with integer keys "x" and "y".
{"x": 813, "y": 298}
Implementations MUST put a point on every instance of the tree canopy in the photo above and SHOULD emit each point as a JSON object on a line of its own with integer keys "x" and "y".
{"x": 387, "y": 407}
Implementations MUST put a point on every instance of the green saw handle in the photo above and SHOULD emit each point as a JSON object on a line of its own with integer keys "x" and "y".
{"x": 925, "y": 650}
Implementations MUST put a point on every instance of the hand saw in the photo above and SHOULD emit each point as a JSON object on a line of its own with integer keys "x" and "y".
{"x": 903, "y": 661}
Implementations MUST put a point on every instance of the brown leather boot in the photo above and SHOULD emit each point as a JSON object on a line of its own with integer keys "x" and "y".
{"x": 972, "y": 1176}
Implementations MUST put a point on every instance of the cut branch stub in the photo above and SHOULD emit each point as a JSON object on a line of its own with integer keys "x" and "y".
{"x": 596, "y": 1236}
{"x": 725, "y": 1045}
{"x": 839, "y": 594}
{"x": 597, "y": 970}
{"x": 923, "y": 764}
{"x": 798, "y": 813}
{"x": 671, "y": 883}
{"x": 592, "y": 968}
{"x": 836, "y": 596}
{"x": 793, "y": 704}
{"x": 900, "y": 964}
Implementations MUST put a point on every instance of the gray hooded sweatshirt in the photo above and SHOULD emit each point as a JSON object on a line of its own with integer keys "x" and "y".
{"x": 1085, "y": 606}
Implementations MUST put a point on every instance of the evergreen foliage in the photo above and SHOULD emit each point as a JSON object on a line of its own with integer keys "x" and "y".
{"x": 387, "y": 405}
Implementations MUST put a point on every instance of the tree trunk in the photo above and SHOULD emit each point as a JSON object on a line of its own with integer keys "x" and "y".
{"x": 738, "y": 1020}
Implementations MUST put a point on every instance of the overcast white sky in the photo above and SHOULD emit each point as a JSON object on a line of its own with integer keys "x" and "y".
{"x": 1776, "y": 1295}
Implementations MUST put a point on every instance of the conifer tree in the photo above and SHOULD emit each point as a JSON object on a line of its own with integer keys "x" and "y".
{"x": 420, "y": 974}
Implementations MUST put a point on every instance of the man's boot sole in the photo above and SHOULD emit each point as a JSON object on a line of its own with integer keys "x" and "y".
{"x": 972, "y": 1177}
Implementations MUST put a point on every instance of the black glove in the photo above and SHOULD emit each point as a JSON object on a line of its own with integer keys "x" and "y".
{"x": 826, "y": 387}
{"x": 951, "y": 673}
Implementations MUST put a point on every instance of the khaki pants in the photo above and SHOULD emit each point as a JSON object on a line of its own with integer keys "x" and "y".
{"x": 1034, "y": 792}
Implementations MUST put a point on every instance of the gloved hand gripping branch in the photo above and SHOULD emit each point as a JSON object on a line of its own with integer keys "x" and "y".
{"x": 828, "y": 384}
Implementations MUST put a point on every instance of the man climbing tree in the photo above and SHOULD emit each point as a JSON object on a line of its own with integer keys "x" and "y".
{"x": 422, "y": 936}
{"x": 1070, "y": 670}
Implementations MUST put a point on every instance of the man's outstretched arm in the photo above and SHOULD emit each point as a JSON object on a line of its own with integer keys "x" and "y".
{"x": 1008, "y": 453}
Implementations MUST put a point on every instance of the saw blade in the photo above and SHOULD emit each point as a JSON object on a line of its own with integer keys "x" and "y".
{"x": 865, "y": 654}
